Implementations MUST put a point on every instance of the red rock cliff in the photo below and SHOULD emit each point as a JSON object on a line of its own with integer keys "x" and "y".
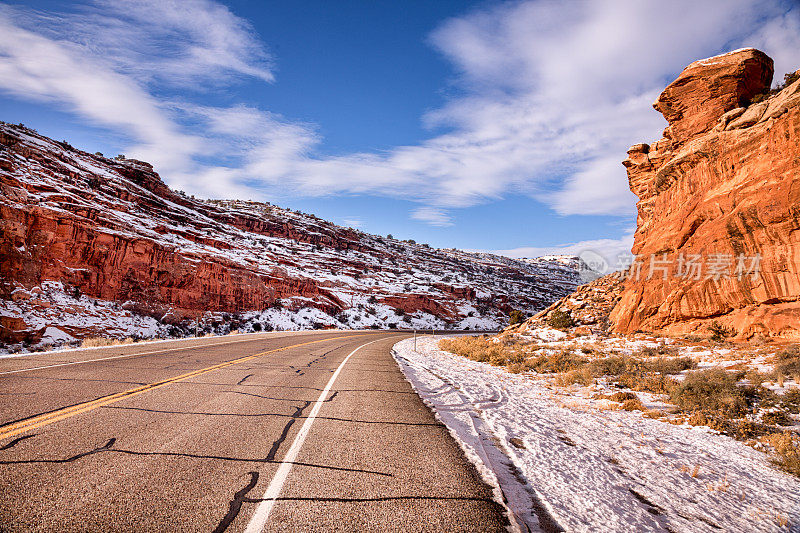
{"x": 113, "y": 231}
{"x": 721, "y": 188}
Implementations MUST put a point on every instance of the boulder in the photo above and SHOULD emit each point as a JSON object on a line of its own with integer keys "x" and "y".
{"x": 706, "y": 89}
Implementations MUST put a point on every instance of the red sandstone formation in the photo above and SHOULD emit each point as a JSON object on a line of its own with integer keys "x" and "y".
{"x": 722, "y": 185}
{"x": 111, "y": 230}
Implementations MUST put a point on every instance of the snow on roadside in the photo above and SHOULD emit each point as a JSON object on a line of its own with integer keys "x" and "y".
{"x": 584, "y": 468}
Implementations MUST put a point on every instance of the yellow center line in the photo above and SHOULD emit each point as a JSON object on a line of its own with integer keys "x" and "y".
{"x": 22, "y": 426}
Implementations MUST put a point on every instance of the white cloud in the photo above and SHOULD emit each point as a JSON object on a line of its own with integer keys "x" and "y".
{"x": 433, "y": 216}
{"x": 551, "y": 95}
{"x": 611, "y": 250}
{"x": 780, "y": 37}
{"x": 353, "y": 222}
{"x": 35, "y": 67}
{"x": 178, "y": 42}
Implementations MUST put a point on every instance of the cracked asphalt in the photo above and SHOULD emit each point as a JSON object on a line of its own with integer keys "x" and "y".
{"x": 188, "y": 435}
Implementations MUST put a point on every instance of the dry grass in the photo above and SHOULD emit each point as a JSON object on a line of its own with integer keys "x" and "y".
{"x": 634, "y": 404}
{"x": 571, "y": 365}
{"x": 711, "y": 397}
{"x": 786, "y": 450}
{"x": 582, "y": 376}
{"x": 94, "y": 342}
{"x": 710, "y": 390}
{"x": 475, "y": 348}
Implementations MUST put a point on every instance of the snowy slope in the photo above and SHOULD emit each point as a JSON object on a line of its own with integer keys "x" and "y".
{"x": 111, "y": 231}
{"x": 565, "y": 464}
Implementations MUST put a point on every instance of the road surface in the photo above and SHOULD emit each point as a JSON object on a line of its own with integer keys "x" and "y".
{"x": 315, "y": 431}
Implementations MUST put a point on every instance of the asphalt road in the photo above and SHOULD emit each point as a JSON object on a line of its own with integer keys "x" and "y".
{"x": 241, "y": 433}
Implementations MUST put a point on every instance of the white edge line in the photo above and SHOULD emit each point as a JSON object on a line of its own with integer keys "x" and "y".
{"x": 261, "y": 514}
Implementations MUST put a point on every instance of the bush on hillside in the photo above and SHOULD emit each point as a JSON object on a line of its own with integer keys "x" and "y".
{"x": 719, "y": 332}
{"x": 559, "y": 319}
{"x": 517, "y": 317}
{"x": 710, "y": 390}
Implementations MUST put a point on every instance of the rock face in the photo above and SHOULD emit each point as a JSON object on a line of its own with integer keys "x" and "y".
{"x": 589, "y": 307}
{"x": 80, "y": 232}
{"x": 721, "y": 189}
{"x": 708, "y": 88}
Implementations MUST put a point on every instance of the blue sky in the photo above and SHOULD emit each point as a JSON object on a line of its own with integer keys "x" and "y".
{"x": 478, "y": 125}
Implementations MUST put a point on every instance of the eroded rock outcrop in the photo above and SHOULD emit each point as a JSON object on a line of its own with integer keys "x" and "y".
{"x": 589, "y": 308}
{"x": 720, "y": 189}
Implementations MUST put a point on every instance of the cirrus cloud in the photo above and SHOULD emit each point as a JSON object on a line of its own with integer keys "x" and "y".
{"x": 550, "y": 95}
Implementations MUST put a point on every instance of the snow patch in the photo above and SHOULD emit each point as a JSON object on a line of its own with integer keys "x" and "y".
{"x": 597, "y": 469}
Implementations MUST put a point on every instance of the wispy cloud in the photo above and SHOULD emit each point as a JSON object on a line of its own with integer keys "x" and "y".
{"x": 433, "y": 216}
{"x": 353, "y": 222}
{"x": 613, "y": 251}
{"x": 551, "y": 95}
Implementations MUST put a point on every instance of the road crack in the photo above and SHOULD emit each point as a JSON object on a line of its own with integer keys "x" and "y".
{"x": 235, "y": 505}
{"x": 277, "y": 444}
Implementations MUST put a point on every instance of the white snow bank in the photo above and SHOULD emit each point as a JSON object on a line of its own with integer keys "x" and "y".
{"x": 559, "y": 460}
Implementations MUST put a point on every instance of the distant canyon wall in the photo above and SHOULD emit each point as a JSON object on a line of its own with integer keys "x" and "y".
{"x": 111, "y": 230}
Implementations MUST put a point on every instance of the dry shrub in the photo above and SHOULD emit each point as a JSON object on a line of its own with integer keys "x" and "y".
{"x": 786, "y": 447}
{"x": 516, "y": 368}
{"x": 559, "y": 319}
{"x": 790, "y": 401}
{"x": 629, "y": 400}
{"x": 623, "y": 396}
{"x": 719, "y": 332}
{"x": 582, "y": 376}
{"x": 670, "y": 365}
{"x": 747, "y": 430}
{"x": 633, "y": 404}
{"x": 564, "y": 361}
{"x": 646, "y": 382}
{"x": 737, "y": 429}
{"x": 613, "y": 365}
{"x": 787, "y": 363}
{"x": 777, "y": 418}
{"x": 706, "y": 418}
{"x": 756, "y": 378}
{"x": 711, "y": 390}
{"x": 661, "y": 349}
{"x": 94, "y": 342}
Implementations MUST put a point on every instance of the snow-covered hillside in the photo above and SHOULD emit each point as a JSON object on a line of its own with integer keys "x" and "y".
{"x": 81, "y": 229}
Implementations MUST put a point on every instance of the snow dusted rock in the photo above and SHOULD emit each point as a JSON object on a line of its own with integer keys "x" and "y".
{"x": 589, "y": 306}
{"x": 722, "y": 194}
{"x": 111, "y": 232}
{"x": 708, "y": 88}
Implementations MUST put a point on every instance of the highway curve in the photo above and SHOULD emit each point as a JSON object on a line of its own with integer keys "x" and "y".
{"x": 268, "y": 432}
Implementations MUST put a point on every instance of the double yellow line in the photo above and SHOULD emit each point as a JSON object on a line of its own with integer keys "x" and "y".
{"x": 22, "y": 426}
